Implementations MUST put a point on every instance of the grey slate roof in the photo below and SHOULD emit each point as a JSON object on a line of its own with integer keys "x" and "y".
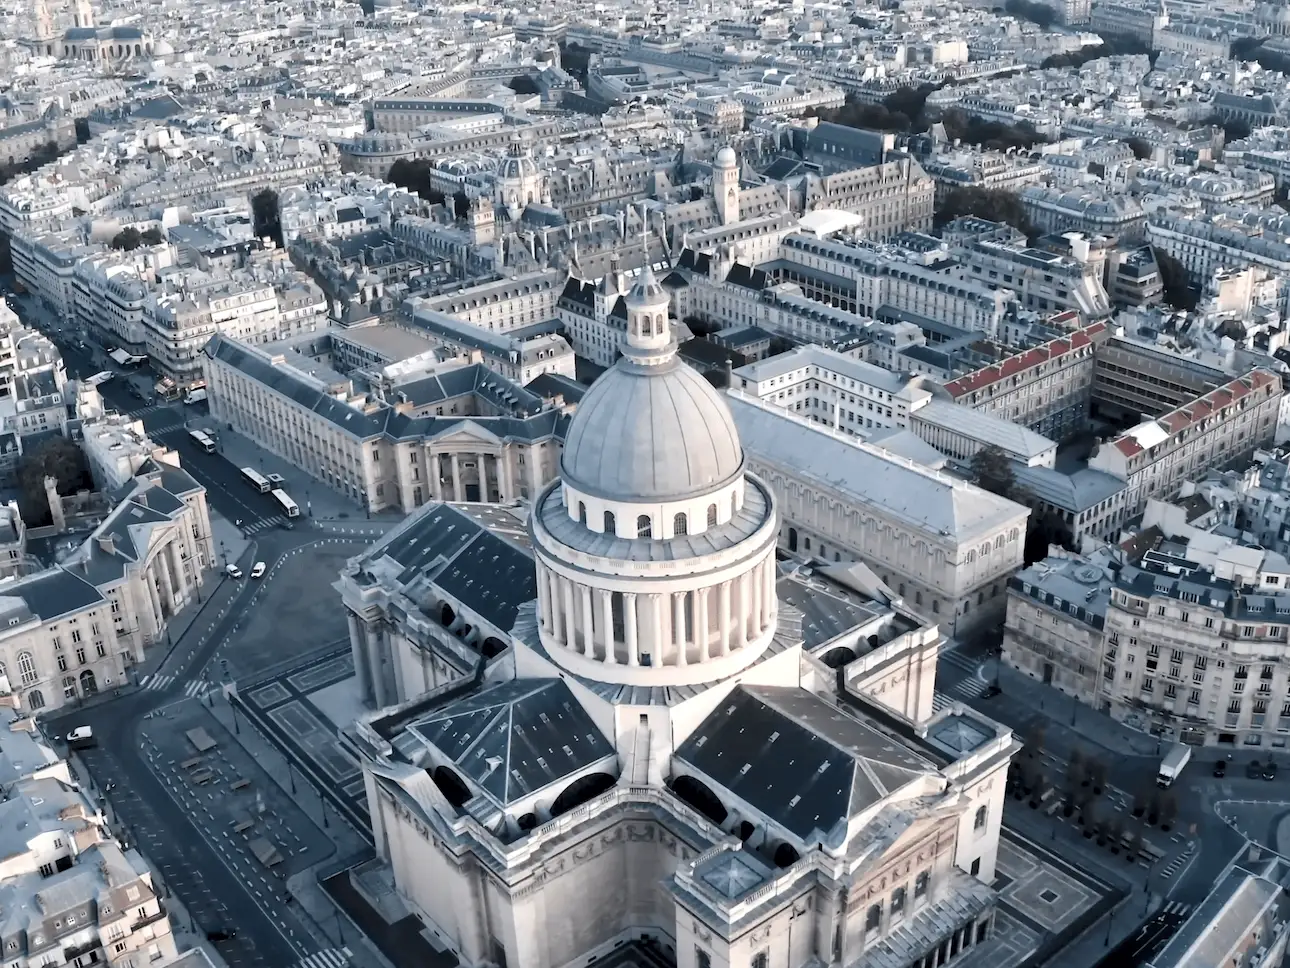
{"x": 516, "y": 738}
{"x": 486, "y": 572}
{"x": 54, "y": 593}
{"x": 797, "y": 759}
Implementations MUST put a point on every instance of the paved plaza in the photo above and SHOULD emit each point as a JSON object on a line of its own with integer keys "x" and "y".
{"x": 1040, "y": 897}
{"x": 303, "y": 708}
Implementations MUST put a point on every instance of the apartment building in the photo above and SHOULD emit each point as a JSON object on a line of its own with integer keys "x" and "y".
{"x": 1204, "y": 245}
{"x": 854, "y": 397}
{"x": 1046, "y": 389}
{"x": 520, "y": 355}
{"x": 116, "y": 447}
{"x": 864, "y": 278}
{"x": 1056, "y": 620}
{"x": 110, "y": 298}
{"x": 1156, "y": 457}
{"x": 44, "y": 263}
{"x": 1052, "y": 210}
{"x": 192, "y": 306}
{"x": 734, "y": 293}
{"x": 502, "y": 305}
{"x": 1198, "y": 655}
{"x": 1043, "y": 281}
{"x": 943, "y": 546}
{"x": 1131, "y": 378}
{"x": 84, "y": 898}
{"x": 456, "y": 431}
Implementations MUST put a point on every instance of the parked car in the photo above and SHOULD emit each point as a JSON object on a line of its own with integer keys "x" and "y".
{"x": 257, "y": 570}
{"x": 81, "y": 738}
{"x": 277, "y": 480}
{"x": 221, "y": 933}
{"x": 1220, "y": 769}
{"x": 233, "y": 571}
{"x": 1254, "y": 770}
{"x": 1269, "y": 770}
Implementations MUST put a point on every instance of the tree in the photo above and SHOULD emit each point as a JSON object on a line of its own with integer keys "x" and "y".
{"x": 127, "y": 239}
{"x": 523, "y": 84}
{"x": 1178, "y": 292}
{"x": 1097, "y": 774}
{"x": 1037, "y": 13}
{"x": 266, "y": 215}
{"x": 975, "y": 130}
{"x": 151, "y": 236}
{"x": 992, "y": 471}
{"x": 56, "y": 457}
{"x": 413, "y": 175}
{"x": 994, "y": 204}
{"x": 6, "y": 255}
{"x": 859, "y": 114}
{"x": 1141, "y": 149}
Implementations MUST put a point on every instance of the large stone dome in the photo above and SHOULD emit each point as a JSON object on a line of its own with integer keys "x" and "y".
{"x": 651, "y": 433}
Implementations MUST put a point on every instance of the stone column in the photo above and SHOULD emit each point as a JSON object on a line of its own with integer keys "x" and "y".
{"x": 177, "y": 570}
{"x": 483, "y": 478}
{"x": 741, "y": 611}
{"x": 588, "y": 627}
{"x": 161, "y": 563}
{"x": 436, "y": 472}
{"x": 656, "y": 633}
{"x": 557, "y": 613}
{"x": 702, "y": 634}
{"x": 376, "y": 661}
{"x": 758, "y": 590}
{"x": 543, "y": 600}
{"x": 358, "y": 650}
{"x": 456, "y": 479}
{"x": 768, "y": 598}
{"x": 158, "y": 617}
{"x": 723, "y": 605}
{"x": 629, "y": 628}
{"x": 503, "y": 474}
{"x": 678, "y": 627}
{"x": 606, "y": 624}
{"x": 570, "y": 616}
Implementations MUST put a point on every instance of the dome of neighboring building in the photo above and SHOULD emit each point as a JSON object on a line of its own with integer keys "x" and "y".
{"x": 647, "y": 433}
{"x": 517, "y": 164}
{"x": 726, "y": 158}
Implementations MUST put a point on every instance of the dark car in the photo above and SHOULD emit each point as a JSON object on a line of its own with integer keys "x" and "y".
{"x": 1254, "y": 770}
{"x": 221, "y": 934}
{"x": 1269, "y": 770}
{"x": 1220, "y": 768}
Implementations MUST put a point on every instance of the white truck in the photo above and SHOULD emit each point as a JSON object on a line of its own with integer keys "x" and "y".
{"x": 195, "y": 396}
{"x": 1172, "y": 765}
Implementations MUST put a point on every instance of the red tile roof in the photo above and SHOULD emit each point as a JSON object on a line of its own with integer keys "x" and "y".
{"x": 1189, "y": 413}
{"x": 1020, "y": 362}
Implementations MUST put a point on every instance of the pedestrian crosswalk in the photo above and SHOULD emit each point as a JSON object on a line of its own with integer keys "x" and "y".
{"x": 261, "y": 524}
{"x": 156, "y": 682}
{"x": 160, "y": 682}
{"x": 1176, "y": 909}
{"x": 967, "y": 685}
{"x": 327, "y": 958}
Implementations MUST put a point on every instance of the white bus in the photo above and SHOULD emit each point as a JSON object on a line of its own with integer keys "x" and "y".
{"x": 290, "y": 507}
{"x": 202, "y": 441}
{"x": 256, "y": 479}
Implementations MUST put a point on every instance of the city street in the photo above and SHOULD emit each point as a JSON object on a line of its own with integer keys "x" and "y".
{"x": 189, "y": 834}
{"x": 1212, "y": 811}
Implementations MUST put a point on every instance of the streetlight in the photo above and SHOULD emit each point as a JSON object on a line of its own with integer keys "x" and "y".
{"x": 1110, "y": 920}
{"x": 340, "y": 933}
{"x": 233, "y": 710}
{"x": 291, "y": 777}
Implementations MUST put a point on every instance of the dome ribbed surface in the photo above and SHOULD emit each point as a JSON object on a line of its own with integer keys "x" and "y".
{"x": 648, "y": 433}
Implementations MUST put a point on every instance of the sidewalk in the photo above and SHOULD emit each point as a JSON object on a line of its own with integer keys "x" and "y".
{"x": 315, "y": 498}
{"x": 182, "y": 926}
{"x": 331, "y": 925}
{"x": 1107, "y": 932}
{"x": 1020, "y": 690}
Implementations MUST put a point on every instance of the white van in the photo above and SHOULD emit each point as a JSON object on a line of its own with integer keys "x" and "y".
{"x": 81, "y": 738}
{"x": 257, "y": 570}
{"x": 232, "y": 570}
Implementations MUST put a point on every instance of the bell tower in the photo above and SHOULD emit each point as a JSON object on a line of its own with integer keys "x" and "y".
{"x": 725, "y": 185}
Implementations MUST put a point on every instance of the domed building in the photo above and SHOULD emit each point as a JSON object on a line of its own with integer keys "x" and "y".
{"x": 518, "y": 183}
{"x": 598, "y": 724}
